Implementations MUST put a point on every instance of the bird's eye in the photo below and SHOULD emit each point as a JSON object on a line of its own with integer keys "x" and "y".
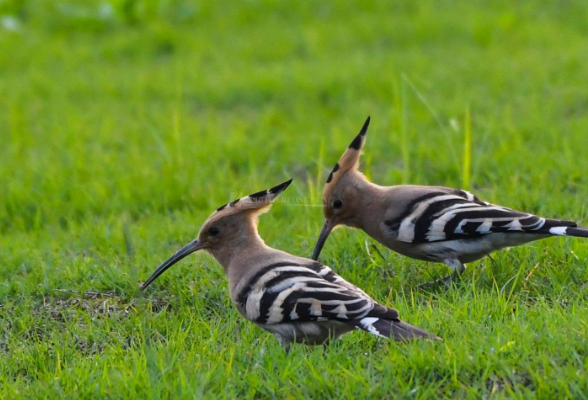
{"x": 338, "y": 203}
{"x": 213, "y": 231}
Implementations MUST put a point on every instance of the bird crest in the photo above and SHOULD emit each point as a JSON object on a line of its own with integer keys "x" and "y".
{"x": 256, "y": 202}
{"x": 349, "y": 161}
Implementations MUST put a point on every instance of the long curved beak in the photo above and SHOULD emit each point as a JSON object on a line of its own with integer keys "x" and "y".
{"x": 327, "y": 228}
{"x": 180, "y": 254}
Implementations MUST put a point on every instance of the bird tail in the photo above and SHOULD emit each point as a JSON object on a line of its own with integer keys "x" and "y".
{"x": 577, "y": 232}
{"x": 563, "y": 228}
{"x": 393, "y": 329}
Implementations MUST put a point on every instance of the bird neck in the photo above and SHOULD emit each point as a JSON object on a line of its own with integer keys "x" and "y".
{"x": 369, "y": 204}
{"x": 244, "y": 243}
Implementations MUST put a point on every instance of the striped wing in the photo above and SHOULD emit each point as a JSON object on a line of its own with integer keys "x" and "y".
{"x": 287, "y": 292}
{"x": 440, "y": 216}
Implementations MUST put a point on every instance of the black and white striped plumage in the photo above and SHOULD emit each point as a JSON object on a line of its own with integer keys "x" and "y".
{"x": 441, "y": 216}
{"x": 306, "y": 302}
{"x": 427, "y": 222}
{"x": 455, "y": 227}
{"x": 297, "y": 299}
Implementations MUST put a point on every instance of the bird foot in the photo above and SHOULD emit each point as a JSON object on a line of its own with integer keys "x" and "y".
{"x": 445, "y": 281}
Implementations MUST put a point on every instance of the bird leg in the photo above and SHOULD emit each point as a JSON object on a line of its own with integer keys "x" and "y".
{"x": 284, "y": 343}
{"x": 457, "y": 268}
{"x": 373, "y": 246}
{"x": 376, "y": 343}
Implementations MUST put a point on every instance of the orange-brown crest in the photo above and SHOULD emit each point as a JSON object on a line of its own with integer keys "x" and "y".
{"x": 349, "y": 161}
{"x": 257, "y": 203}
{"x": 237, "y": 217}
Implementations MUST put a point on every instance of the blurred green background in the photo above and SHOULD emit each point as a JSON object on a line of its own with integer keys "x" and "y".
{"x": 123, "y": 124}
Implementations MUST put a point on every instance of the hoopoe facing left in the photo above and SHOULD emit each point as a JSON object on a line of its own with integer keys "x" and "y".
{"x": 297, "y": 299}
{"x": 430, "y": 223}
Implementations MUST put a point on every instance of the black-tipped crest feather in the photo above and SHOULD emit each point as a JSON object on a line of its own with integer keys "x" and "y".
{"x": 258, "y": 194}
{"x": 335, "y": 169}
{"x": 365, "y": 127}
{"x": 280, "y": 188}
{"x": 356, "y": 144}
{"x": 350, "y": 159}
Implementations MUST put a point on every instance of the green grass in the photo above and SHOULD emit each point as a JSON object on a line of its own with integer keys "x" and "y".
{"x": 123, "y": 127}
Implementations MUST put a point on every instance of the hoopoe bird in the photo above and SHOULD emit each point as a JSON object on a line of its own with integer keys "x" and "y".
{"x": 297, "y": 299}
{"x": 430, "y": 223}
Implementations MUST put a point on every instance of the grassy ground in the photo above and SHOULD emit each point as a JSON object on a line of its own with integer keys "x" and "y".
{"x": 124, "y": 124}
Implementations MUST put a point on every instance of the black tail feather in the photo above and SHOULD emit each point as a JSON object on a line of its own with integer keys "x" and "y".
{"x": 555, "y": 223}
{"x": 577, "y": 232}
{"x": 562, "y": 228}
{"x": 403, "y": 331}
{"x": 394, "y": 329}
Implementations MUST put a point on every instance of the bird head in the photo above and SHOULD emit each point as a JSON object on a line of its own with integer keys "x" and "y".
{"x": 341, "y": 192}
{"x": 229, "y": 226}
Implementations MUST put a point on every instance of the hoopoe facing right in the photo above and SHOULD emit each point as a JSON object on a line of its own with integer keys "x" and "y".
{"x": 297, "y": 299}
{"x": 430, "y": 223}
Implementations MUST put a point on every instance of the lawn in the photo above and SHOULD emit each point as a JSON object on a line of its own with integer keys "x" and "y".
{"x": 124, "y": 124}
